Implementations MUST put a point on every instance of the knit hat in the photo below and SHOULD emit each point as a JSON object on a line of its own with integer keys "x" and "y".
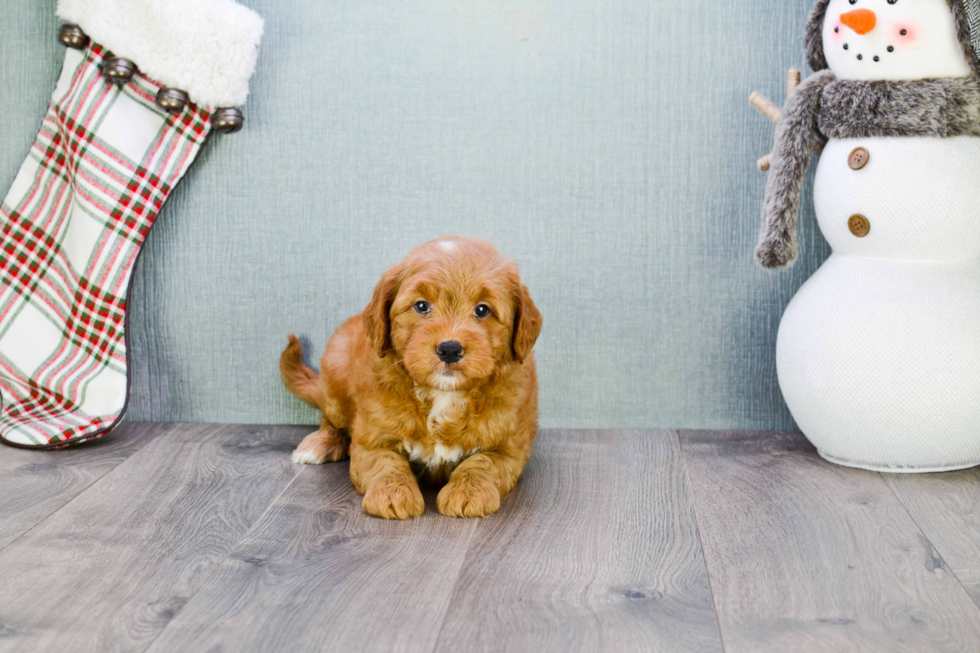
{"x": 966, "y": 14}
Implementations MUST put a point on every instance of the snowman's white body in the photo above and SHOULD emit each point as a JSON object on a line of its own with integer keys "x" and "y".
{"x": 878, "y": 355}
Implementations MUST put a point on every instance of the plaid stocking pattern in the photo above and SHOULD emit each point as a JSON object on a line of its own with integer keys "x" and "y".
{"x": 71, "y": 228}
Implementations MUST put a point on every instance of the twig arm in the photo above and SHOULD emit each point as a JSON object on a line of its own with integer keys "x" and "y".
{"x": 793, "y": 81}
{"x": 767, "y": 108}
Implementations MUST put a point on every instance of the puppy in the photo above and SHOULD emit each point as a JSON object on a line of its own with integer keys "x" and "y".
{"x": 435, "y": 379}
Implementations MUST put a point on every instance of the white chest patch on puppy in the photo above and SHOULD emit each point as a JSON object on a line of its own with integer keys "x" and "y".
{"x": 446, "y": 407}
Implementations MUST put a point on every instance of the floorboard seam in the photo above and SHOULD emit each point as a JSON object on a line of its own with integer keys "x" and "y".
{"x": 697, "y": 528}
{"x": 232, "y": 549}
{"x": 459, "y": 572}
{"x": 88, "y": 487}
{"x": 204, "y": 581}
{"x": 929, "y": 539}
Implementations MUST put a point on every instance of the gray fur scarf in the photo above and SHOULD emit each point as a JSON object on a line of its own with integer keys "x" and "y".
{"x": 823, "y": 107}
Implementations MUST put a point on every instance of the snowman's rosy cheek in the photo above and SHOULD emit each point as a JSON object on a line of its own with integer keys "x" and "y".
{"x": 905, "y": 33}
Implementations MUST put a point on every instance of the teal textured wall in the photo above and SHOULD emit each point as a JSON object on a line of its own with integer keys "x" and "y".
{"x": 606, "y": 145}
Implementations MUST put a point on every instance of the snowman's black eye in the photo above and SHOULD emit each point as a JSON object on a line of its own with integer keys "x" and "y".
{"x": 854, "y": 2}
{"x": 422, "y": 308}
{"x": 891, "y": 2}
{"x": 482, "y": 311}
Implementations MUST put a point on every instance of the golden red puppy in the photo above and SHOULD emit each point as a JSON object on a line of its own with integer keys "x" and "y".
{"x": 435, "y": 378}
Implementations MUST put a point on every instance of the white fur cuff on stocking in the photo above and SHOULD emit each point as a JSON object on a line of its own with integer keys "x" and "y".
{"x": 206, "y": 48}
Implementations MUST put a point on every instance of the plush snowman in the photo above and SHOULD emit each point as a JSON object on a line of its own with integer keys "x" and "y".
{"x": 878, "y": 354}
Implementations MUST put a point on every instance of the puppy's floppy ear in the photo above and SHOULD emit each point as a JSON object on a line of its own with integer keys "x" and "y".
{"x": 527, "y": 323}
{"x": 377, "y": 315}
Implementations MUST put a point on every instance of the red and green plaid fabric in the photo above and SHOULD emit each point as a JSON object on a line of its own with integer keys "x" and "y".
{"x": 71, "y": 228}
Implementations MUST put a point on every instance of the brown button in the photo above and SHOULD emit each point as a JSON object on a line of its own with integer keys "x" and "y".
{"x": 859, "y": 225}
{"x": 858, "y": 159}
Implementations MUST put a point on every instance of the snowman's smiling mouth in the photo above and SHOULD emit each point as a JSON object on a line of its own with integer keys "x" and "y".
{"x": 876, "y": 58}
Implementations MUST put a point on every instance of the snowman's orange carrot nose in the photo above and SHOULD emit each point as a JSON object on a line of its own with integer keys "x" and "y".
{"x": 861, "y": 21}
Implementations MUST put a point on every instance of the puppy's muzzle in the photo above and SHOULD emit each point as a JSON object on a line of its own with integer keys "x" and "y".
{"x": 450, "y": 351}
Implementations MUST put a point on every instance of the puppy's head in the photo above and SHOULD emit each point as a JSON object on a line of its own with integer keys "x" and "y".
{"x": 453, "y": 312}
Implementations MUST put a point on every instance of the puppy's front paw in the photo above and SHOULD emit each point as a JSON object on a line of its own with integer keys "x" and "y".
{"x": 319, "y": 447}
{"x": 394, "y": 498}
{"x": 469, "y": 496}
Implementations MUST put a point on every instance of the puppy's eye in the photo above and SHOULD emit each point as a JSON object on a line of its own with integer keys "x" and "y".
{"x": 482, "y": 311}
{"x": 422, "y": 308}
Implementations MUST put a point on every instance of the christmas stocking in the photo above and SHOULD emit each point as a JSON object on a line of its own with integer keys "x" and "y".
{"x": 144, "y": 85}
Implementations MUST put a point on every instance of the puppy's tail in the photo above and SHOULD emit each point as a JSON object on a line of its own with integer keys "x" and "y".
{"x": 297, "y": 377}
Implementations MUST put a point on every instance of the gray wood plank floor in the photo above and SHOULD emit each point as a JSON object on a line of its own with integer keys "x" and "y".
{"x": 109, "y": 570}
{"x": 947, "y": 507}
{"x": 34, "y": 484}
{"x": 805, "y": 555}
{"x": 205, "y": 538}
{"x": 597, "y": 550}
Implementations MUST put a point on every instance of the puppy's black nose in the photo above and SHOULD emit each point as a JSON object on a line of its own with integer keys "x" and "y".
{"x": 450, "y": 351}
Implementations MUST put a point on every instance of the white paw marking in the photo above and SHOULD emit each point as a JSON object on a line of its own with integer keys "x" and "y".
{"x": 439, "y": 456}
{"x": 415, "y": 451}
{"x": 306, "y": 458}
{"x": 447, "y": 455}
